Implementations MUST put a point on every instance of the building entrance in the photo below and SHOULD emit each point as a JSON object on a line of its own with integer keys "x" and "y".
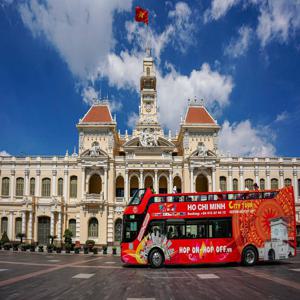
{"x": 201, "y": 183}
{"x": 43, "y": 230}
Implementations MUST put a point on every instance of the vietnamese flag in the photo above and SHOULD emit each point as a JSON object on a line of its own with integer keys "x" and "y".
{"x": 141, "y": 15}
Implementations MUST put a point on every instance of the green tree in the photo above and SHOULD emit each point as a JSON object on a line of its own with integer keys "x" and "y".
{"x": 68, "y": 236}
{"x": 4, "y": 238}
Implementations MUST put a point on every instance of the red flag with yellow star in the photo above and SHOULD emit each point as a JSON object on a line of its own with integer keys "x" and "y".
{"x": 141, "y": 15}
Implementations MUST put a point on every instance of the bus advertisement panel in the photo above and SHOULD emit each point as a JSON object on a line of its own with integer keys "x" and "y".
{"x": 194, "y": 228}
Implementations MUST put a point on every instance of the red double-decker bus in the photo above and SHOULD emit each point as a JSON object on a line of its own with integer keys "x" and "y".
{"x": 194, "y": 228}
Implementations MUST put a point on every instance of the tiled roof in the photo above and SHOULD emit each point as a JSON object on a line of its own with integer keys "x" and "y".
{"x": 98, "y": 114}
{"x": 198, "y": 115}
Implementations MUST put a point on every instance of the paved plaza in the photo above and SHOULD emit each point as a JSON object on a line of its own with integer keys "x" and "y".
{"x": 63, "y": 276}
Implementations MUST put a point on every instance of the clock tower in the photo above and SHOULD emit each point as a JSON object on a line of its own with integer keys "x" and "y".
{"x": 148, "y": 106}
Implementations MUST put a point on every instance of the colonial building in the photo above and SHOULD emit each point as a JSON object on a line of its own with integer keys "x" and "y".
{"x": 87, "y": 192}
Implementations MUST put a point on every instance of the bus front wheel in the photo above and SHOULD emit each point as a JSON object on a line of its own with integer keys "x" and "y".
{"x": 249, "y": 256}
{"x": 156, "y": 258}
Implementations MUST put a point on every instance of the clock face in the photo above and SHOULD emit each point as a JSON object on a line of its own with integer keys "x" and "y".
{"x": 148, "y": 107}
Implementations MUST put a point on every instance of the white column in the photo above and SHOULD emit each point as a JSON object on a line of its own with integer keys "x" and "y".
{"x": 141, "y": 181}
{"x": 82, "y": 182}
{"x": 37, "y": 183}
{"x": 170, "y": 181}
{"x": 59, "y": 226}
{"x": 295, "y": 184}
{"x": 241, "y": 173}
{"x": 54, "y": 183}
{"x": 24, "y": 222}
{"x": 105, "y": 184}
{"x": 191, "y": 179}
{"x": 66, "y": 173}
{"x": 229, "y": 183}
{"x": 26, "y": 182}
{"x": 268, "y": 178}
{"x": 126, "y": 186}
{"x": 213, "y": 179}
{"x": 12, "y": 185}
{"x": 30, "y": 226}
{"x": 155, "y": 181}
{"x": 256, "y": 175}
{"x": 11, "y": 227}
{"x": 52, "y": 223}
{"x": 281, "y": 180}
{"x": 77, "y": 227}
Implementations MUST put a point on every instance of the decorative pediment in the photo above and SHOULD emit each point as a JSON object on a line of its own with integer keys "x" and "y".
{"x": 94, "y": 151}
{"x": 145, "y": 141}
{"x": 201, "y": 151}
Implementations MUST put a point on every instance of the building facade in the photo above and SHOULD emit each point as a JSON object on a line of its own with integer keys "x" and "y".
{"x": 87, "y": 192}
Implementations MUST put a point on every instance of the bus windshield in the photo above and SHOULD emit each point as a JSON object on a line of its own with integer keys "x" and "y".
{"x": 137, "y": 197}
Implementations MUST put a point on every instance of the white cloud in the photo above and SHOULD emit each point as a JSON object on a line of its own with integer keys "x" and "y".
{"x": 4, "y": 153}
{"x": 205, "y": 83}
{"x": 123, "y": 71}
{"x": 81, "y": 31}
{"x": 89, "y": 95}
{"x": 278, "y": 20}
{"x": 239, "y": 46}
{"x": 218, "y": 9}
{"x": 282, "y": 117}
{"x": 242, "y": 139}
{"x": 115, "y": 106}
{"x": 133, "y": 118}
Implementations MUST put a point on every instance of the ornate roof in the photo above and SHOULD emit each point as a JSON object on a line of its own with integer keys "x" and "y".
{"x": 98, "y": 113}
{"x": 198, "y": 115}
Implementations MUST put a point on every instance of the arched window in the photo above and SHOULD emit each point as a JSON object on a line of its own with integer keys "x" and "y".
{"x": 274, "y": 184}
{"x": 46, "y": 187}
{"x": 120, "y": 187}
{"x": 118, "y": 230}
{"x": 262, "y": 184}
{"x": 73, "y": 186}
{"x": 249, "y": 184}
{"x": 148, "y": 71}
{"x": 60, "y": 187}
{"x": 32, "y": 186}
{"x": 93, "y": 228}
{"x": 148, "y": 182}
{"x": 18, "y": 226}
{"x": 235, "y": 184}
{"x": 134, "y": 185}
{"x": 287, "y": 182}
{"x": 95, "y": 184}
{"x": 223, "y": 183}
{"x": 20, "y": 186}
{"x": 5, "y": 186}
{"x": 163, "y": 185}
{"x": 4, "y": 225}
{"x": 177, "y": 183}
{"x": 72, "y": 226}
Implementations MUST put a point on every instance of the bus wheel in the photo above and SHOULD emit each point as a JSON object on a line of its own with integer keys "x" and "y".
{"x": 271, "y": 255}
{"x": 156, "y": 258}
{"x": 249, "y": 256}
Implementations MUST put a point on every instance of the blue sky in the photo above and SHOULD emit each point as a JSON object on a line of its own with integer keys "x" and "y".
{"x": 241, "y": 56}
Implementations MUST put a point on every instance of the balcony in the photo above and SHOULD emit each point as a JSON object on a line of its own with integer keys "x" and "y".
{"x": 93, "y": 200}
{"x": 120, "y": 199}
